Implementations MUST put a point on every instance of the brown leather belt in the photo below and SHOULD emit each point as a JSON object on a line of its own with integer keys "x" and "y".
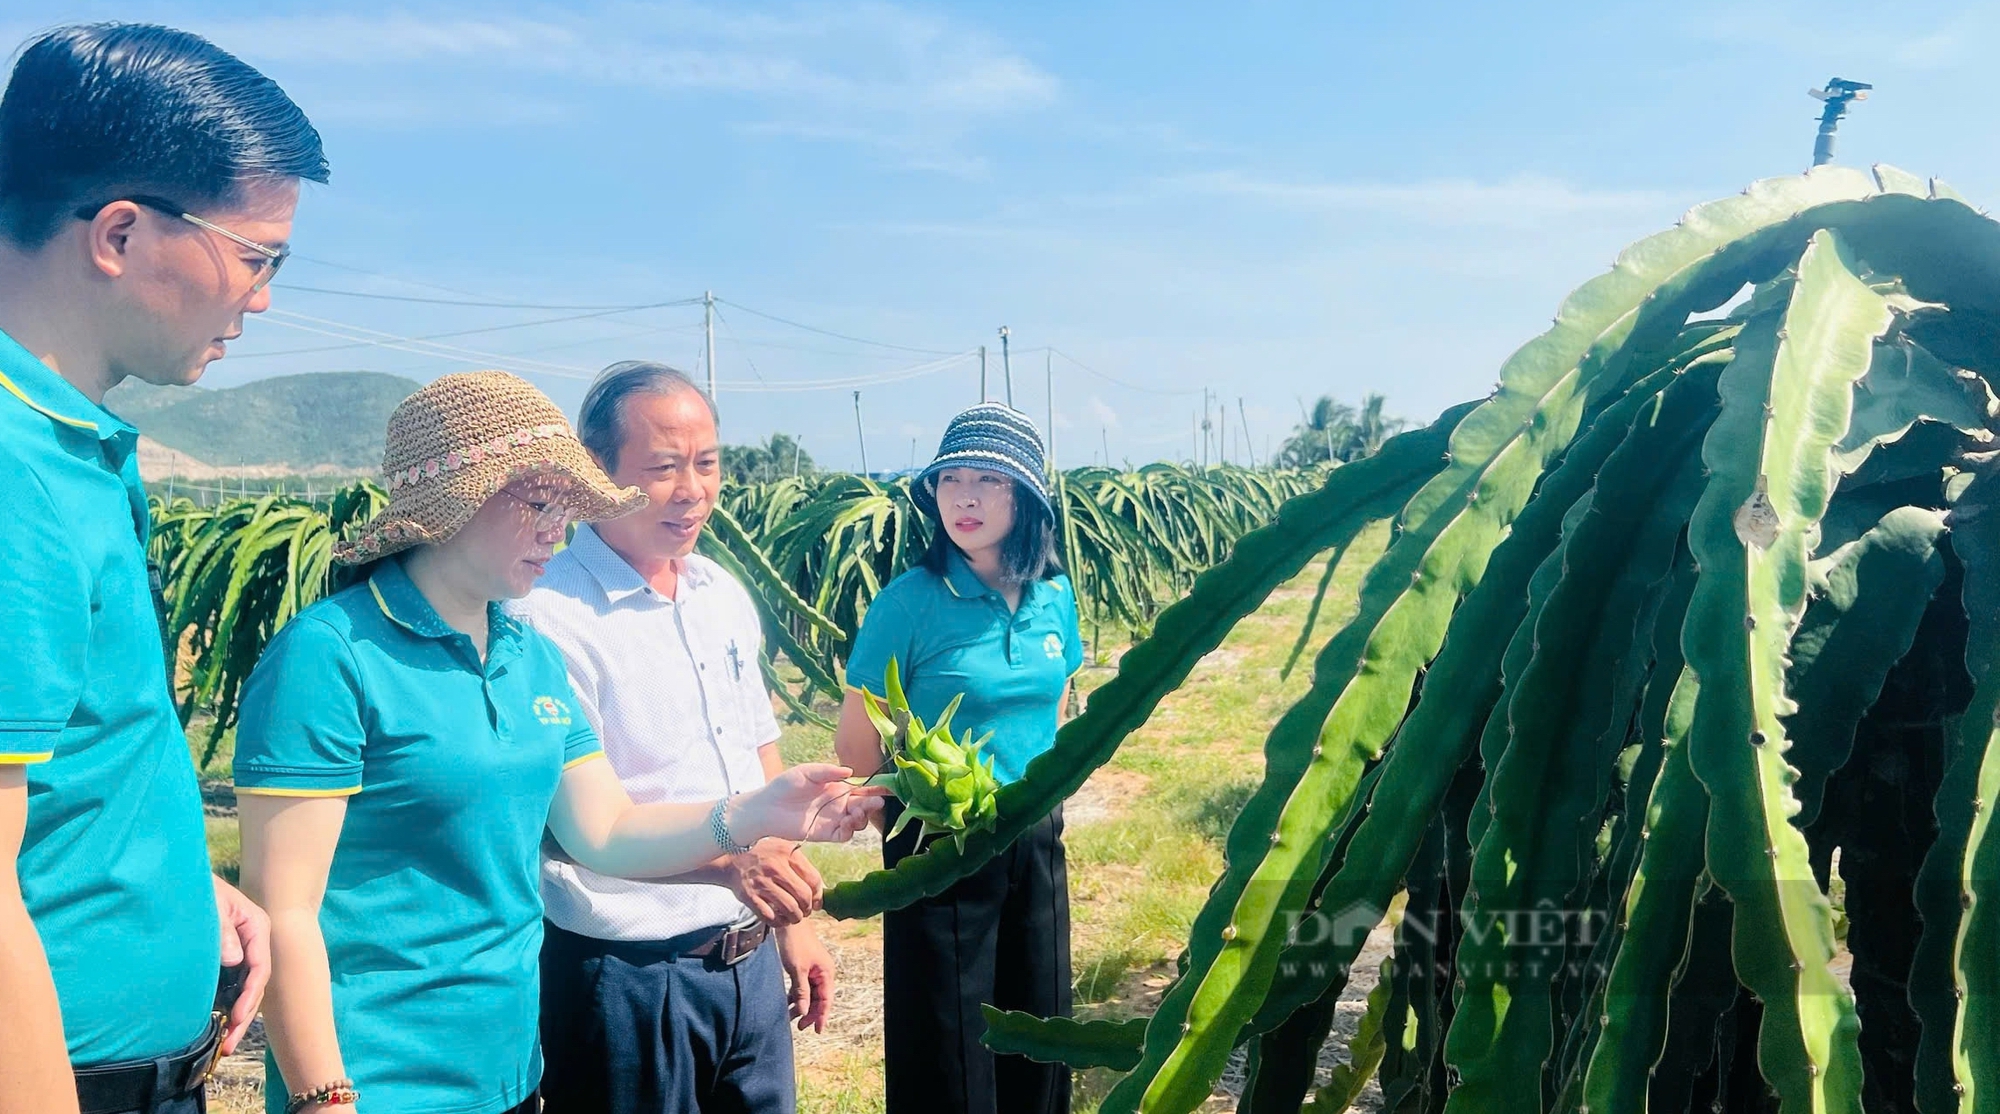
{"x": 730, "y": 944}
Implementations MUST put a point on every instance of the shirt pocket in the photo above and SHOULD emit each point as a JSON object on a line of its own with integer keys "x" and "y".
{"x": 754, "y": 710}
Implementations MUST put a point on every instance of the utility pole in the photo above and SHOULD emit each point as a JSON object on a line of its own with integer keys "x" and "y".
{"x": 1247, "y": 450}
{"x": 982, "y": 373}
{"x": 1838, "y": 94}
{"x": 1006, "y": 365}
{"x": 859, "y": 437}
{"x": 795, "y": 455}
{"x": 708, "y": 330}
{"x": 1206, "y": 427}
{"x": 1106, "y": 434}
{"x": 1049, "y": 372}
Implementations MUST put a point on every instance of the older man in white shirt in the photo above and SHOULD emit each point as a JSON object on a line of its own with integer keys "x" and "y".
{"x": 669, "y": 997}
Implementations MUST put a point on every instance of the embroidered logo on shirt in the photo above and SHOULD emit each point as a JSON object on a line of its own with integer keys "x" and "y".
{"x": 552, "y": 712}
{"x": 1053, "y": 646}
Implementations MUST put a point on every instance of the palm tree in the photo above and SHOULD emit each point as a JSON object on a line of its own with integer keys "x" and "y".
{"x": 1320, "y": 435}
{"x": 1333, "y": 430}
{"x": 1371, "y": 428}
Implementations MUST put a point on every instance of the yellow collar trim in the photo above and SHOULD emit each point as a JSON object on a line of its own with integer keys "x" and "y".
{"x": 384, "y": 605}
{"x": 17, "y": 392}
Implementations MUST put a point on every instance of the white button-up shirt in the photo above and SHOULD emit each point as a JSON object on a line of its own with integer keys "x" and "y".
{"x": 674, "y": 690}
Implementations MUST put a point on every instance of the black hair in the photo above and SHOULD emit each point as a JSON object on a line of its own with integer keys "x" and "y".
{"x": 1027, "y": 553}
{"x": 100, "y": 111}
{"x": 600, "y": 421}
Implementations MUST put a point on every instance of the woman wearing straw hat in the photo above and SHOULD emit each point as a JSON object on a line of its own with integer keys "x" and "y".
{"x": 402, "y": 749}
{"x": 988, "y": 614}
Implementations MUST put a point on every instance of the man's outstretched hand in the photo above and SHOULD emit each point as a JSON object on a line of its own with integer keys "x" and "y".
{"x": 775, "y": 880}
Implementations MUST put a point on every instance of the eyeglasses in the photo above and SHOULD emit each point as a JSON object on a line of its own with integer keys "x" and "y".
{"x": 274, "y": 258}
{"x": 551, "y": 514}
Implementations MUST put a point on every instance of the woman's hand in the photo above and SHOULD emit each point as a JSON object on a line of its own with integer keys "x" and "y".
{"x": 810, "y": 802}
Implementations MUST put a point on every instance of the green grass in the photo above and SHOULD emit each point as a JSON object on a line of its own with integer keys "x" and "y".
{"x": 225, "y": 847}
{"x": 225, "y": 842}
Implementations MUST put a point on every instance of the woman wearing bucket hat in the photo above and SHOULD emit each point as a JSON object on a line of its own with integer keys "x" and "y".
{"x": 988, "y": 614}
{"x": 403, "y": 747}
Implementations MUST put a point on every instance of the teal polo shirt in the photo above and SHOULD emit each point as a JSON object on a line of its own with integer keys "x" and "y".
{"x": 433, "y": 908}
{"x": 953, "y": 634}
{"x": 114, "y": 865}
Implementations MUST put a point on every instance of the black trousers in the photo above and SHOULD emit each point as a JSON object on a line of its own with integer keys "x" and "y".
{"x": 1000, "y": 936}
{"x": 196, "y": 1103}
{"x": 631, "y": 1028}
{"x": 187, "y": 1104}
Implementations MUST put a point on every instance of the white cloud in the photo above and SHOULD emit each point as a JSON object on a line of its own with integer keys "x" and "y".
{"x": 896, "y": 79}
{"x": 1922, "y": 39}
{"x": 1936, "y": 51}
{"x": 1524, "y": 199}
{"x": 395, "y": 38}
{"x": 1103, "y": 413}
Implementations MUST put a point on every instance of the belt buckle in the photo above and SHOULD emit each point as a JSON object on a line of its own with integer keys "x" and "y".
{"x": 219, "y": 1021}
{"x": 740, "y": 942}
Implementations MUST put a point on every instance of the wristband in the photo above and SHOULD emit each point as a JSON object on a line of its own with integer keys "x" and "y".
{"x": 718, "y": 826}
{"x": 340, "y": 1092}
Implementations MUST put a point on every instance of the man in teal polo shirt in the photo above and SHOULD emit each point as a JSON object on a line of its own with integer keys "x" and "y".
{"x": 147, "y": 185}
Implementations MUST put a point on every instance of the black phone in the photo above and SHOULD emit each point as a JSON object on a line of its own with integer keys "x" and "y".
{"x": 229, "y": 986}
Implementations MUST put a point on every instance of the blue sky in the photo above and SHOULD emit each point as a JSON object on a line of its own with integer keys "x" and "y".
{"x": 1273, "y": 200}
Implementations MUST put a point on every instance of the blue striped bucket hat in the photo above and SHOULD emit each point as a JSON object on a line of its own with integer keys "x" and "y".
{"x": 993, "y": 436}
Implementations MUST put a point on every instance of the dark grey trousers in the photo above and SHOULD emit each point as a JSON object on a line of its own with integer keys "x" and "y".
{"x": 628, "y": 1028}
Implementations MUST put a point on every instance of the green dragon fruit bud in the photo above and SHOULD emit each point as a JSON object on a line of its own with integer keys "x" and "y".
{"x": 945, "y": 784}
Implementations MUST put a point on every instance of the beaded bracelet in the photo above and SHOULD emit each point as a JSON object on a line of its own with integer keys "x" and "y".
{"x": 340, "y": 1092}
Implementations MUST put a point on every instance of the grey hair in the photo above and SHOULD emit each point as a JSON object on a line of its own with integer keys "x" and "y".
{"x": 600, "y": 424}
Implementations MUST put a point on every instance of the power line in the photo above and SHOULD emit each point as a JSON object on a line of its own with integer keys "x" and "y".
{"x": 482, "y": 299}
{"x": 505, "y": 362}
{"x": 484, "y": 304}
{"x": 358, "y": 336}
{"x": 459, "y": 332}
{"x": 831, "y": 333}
{"x": 1118, "y": 381}
{"x": 915, "y": 371}
{"x": 813, "y": 351}
{"x": 746, "y": 356}
{"x": 683, "y": 328}
{"x": 425, "y": 348}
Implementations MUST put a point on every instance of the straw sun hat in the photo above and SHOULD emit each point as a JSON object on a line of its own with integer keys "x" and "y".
{"x": 456, "y": 442}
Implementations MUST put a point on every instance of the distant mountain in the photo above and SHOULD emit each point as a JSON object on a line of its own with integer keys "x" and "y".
{"x": 294, "y": 422}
